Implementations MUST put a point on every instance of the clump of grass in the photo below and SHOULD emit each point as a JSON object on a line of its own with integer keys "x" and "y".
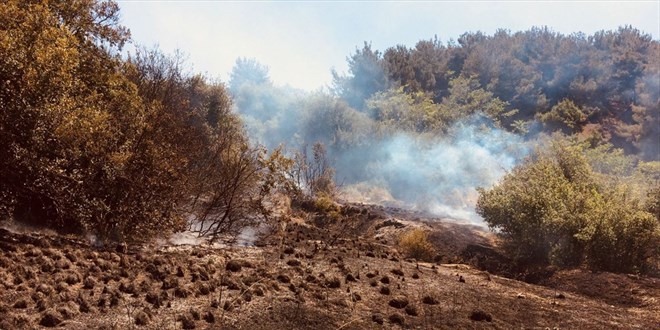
{"x": 324, "y": 203}
{"x": 415, "y": 244}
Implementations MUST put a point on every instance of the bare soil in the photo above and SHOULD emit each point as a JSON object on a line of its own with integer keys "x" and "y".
{"x": 312, "y": 274}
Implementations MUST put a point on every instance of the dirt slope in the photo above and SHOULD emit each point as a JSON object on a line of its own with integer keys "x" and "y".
{"x": 296, "y": 279}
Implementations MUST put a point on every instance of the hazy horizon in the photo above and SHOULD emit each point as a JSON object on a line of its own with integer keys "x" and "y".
{"x": 301, "y": 42}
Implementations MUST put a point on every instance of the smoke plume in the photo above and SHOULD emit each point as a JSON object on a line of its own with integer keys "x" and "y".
{"x": 438, "y": 175}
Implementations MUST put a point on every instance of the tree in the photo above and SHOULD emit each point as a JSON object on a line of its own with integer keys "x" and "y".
{"x": 566, "y": 116}
{"x": 365, "y": 77}
{"x": 466, "y": 98}
{"x": 396, "y": 109}
{"x": 125, "y": 149}
{"x": 554, "y": 209}
{"x": 247, "y": 71}
{"x": 68, "y": 116}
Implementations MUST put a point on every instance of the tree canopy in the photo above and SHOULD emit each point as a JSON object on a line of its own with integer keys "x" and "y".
{"x": 125, "y": 148}
{"x": 605, "y": 84}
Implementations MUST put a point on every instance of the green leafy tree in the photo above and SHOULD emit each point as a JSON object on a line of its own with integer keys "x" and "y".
{"x": 553, "y": 209}
{"x": 396, "y": 109}
{"x": 68, "y": 117}
{"x": 467, "y": 98}
{"x": 125, "y": 149}
{"x": 566, "y": 116}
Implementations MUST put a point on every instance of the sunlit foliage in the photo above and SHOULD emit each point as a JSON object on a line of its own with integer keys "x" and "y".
{"x": 554, "y": 208}
{"x": 122, "y": 148}
{"x": 415, "y": 244}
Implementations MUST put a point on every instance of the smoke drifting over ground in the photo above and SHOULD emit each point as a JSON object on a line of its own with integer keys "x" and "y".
{"x": 438, "y": 175}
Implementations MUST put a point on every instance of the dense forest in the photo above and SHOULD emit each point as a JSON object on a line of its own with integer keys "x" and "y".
{"x": 553, "y": 138}
{"x": 605, "y": 85}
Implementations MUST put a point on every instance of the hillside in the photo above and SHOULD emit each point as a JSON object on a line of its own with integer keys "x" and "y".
{"x": 310, "y": 275}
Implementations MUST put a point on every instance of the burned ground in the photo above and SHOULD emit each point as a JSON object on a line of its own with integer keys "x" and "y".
{"x": 326, "y": 276}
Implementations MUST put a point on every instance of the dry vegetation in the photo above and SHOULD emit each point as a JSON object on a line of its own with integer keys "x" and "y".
{"x": 132, "y": 149}
{"x": 305, "y": 277}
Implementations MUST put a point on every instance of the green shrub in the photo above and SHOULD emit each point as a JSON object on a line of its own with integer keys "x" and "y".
{"x": 553, "y": 209}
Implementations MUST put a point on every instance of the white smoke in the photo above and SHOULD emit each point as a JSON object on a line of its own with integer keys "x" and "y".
{"x": 440, "y": 175}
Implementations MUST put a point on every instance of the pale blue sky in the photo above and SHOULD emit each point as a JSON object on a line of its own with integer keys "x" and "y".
{"x": 301, "y": 41}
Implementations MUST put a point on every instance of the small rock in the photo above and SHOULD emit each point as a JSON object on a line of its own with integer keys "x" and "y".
{"x": 430, "y": 300}
{"x": 377, "y": 318}
{"x": 45, "y": 289}
{"x": 68, "y": 311}
{"x": 384, "y": 290}
{"x": 154, "y": 299}
{"x": 121, "y": 248}
{"x": 399, "y": 302}
{"x": 50, "y": 319}
{"x": 142, "y": 318}
{"x": 89, "y": 283}
{"x": 233, "y": 266}
{"x": 479, "y": 315}
{"x": 289, "y": 250}
{"x": 310, "y": 278}
{"x": 187, "y": 321}
{"x": 180, "y": 272}
{"x": 203, "y": 290}
{"x": 21, "y": 304}
{"x": 283, "y": 278}
{"x": 180, "y": 292}
{"x": 332, "y": 283}
{"x": 397, "y": 319}
{"x": 72, "y": 278}
{"x": 411, "y": 310}
{"x": 209, "y": 317}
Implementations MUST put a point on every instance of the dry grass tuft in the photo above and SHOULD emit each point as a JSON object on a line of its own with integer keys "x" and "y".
{"x": 415, "y": 244}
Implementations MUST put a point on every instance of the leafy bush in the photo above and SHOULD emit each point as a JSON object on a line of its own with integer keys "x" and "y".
{"x": 415, "y": 244}
{"x": 566, "y": 115}
{"x": 653, "y": 202}
{"x": 554, "y": 209}
{"x": 126, "y": 149}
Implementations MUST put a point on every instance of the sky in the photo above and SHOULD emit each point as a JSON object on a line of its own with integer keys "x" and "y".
{"x": 301, "y": 41}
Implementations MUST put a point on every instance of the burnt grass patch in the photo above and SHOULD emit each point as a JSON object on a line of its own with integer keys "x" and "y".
{"x": 303, "y": 278}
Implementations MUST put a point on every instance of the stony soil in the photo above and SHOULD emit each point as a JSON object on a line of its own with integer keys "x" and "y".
{"x": 314, "y": 274}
